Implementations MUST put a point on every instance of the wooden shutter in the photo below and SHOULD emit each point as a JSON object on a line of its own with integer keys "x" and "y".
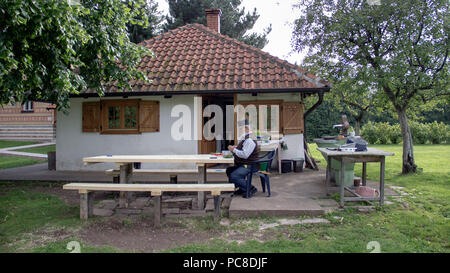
{"x": 292, "y": 118}
{"x": 149, "y": 116}
{"x": 91, "y": 117}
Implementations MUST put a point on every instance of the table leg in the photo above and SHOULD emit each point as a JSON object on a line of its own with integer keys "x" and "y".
{"x": 328, "y": 175}
{"x": 201, "y": 180}
{"x": 279, "y": 158}
{"x": 382, "y": 166}
{"x": 124, "y": 179}
{"x": 341, "y": 203}
{"x": 364, "y": 173}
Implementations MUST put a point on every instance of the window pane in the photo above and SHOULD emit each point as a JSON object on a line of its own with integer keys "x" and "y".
{"x": 130, "y": 116}
{"x": 275, "y": 119}
{"x": 114, "y": 117}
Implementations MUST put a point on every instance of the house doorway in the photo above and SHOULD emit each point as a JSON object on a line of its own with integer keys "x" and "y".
{"x": 217, "y": 145}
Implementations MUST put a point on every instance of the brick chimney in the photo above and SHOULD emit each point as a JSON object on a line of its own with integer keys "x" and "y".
{"x": 213, "y": 19}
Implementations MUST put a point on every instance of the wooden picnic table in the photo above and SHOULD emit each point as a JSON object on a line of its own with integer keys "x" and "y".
{"x": 126, "y": 167}
{"x": 371, "y": 155}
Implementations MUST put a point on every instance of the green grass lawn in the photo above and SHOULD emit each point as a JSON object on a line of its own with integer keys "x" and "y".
{"x": 418, "y": 222}
{"x": 39, "y": 150}
{"x": 7, "y": 162}
{"x": 9, "y": 143}
{"x": 23, "y": 211}
{"x": 19, "y": 161}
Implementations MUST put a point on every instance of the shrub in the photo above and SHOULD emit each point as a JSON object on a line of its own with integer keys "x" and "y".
{"x": 383, "y": 132}
{"x": 395, "y": 134}
{"x": 438, "y": 132}
{"x": 422, "y": 133}
{"x": 369, "y": 133}
{"x": 419, "y": 131}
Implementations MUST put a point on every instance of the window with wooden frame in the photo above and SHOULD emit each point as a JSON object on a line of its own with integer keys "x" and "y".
{"x": 121, "y": 116}
{"x": 287, "y": 117}
{"x": 268, "y": 115}
{"x": 293, "y": 122}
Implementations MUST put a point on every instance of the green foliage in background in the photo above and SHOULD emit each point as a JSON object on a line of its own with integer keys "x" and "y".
{"x": 422, "y": 133}
{"x": 149, "y": 12}
{"x": 50, "y": 49}
{"x": 235, "y": 21}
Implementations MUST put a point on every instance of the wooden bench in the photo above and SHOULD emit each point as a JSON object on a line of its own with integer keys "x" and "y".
{"x": 173, "y": 173}
{"x": 86, "y": 197}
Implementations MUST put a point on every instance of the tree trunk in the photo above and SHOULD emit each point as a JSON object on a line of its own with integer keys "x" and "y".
{"x": 408, "y": 165}
{"x": 357, "y": 126}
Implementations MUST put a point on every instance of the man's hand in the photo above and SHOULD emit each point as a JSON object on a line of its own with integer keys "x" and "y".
{"x": 231, "y": 148}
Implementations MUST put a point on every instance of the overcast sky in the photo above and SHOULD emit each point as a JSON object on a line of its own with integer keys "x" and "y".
{"x": 280, "y": 14}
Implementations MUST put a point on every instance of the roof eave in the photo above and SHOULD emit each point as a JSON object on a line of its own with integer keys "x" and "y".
{"x": 205, "y": 92}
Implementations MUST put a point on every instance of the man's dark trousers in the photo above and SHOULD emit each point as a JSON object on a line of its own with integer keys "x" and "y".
{"x": 237, "y": 175}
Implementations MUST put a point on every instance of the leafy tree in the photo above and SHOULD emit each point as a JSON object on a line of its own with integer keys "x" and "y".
{"x": 352, "y": 94}
{"x": 402, "y": 46}
{"x": 320, "y": 122}
{"x": 50, "y": 49}
{"x": 146, "y": 12}
{"x": 235, "y": 22}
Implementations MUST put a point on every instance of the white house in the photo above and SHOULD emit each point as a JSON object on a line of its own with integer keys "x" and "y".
{"x": 195, "y": 66}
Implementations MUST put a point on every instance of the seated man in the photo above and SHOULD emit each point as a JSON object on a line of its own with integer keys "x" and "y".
{"x": 245, "y": 154}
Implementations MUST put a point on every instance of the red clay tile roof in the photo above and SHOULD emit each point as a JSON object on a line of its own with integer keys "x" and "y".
{"x": 195, "y": 58}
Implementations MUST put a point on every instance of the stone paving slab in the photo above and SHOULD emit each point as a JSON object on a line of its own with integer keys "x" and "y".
{"x": 257, "y": 206}
{"x": 40, "y": 172}
{"x": 293, "y": 194}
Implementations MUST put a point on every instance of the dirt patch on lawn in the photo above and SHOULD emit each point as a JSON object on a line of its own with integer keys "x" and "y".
{"x": 138, "y": 234}
{"x": 131, "y": 233}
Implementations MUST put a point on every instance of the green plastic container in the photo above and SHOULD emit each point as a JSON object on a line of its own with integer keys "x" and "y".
{"x": 263, "y": 166}
{"x": 336, "y": 165}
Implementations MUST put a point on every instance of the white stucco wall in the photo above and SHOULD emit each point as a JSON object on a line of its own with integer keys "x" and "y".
{"x": 72, "y": 144}
{"x": 294, "y": 141}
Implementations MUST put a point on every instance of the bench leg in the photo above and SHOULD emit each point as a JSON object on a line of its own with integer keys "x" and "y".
{"x": 157, "y": 211}
{"x": 216, "y": 208}
{"x": 86, "y": 205}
